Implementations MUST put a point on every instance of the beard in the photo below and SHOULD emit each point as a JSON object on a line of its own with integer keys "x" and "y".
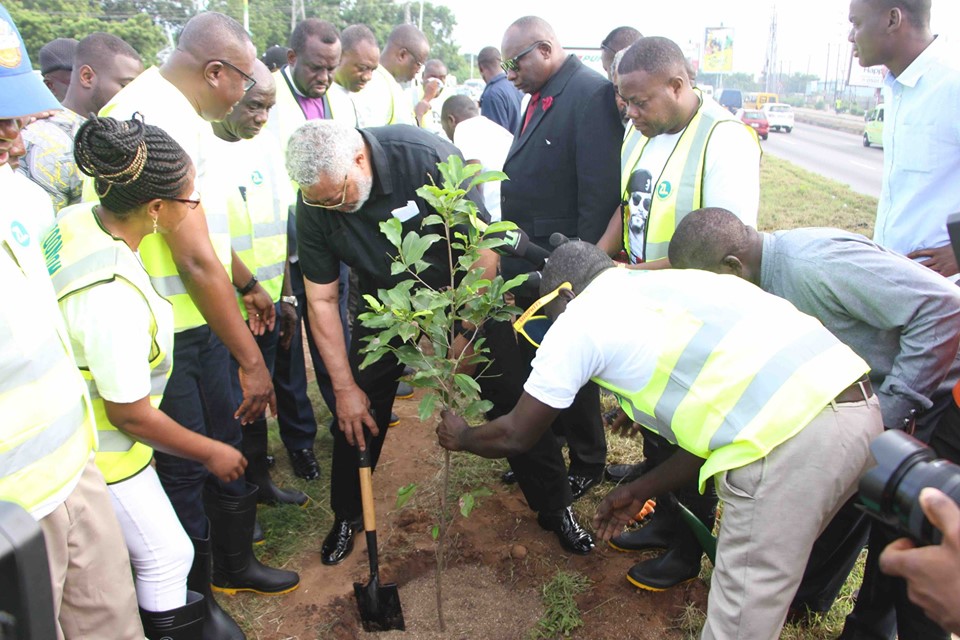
{"x": 364, "y": 185}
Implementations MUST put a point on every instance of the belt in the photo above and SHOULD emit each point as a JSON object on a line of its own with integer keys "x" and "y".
{"x": 856, "y": 392}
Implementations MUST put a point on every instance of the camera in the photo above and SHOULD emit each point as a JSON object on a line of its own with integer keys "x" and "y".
{"x": 890, "y": 492}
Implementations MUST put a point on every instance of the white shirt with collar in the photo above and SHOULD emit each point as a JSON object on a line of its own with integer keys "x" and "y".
{"x": 921, "y": 152}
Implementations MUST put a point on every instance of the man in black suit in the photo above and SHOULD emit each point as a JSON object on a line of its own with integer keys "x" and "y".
{"x": 564, "y": 170}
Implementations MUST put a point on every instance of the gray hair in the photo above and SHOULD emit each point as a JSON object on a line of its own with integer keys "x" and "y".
{"x": 617, "y": 57}
{"x": 321, "y": 147}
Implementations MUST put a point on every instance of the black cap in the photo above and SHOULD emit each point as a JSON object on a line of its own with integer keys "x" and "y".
{"x": 57, "y": 55}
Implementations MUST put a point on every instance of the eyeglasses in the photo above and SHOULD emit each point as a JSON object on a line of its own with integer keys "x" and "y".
{"x": 513, "y": 64}
{"x": 533, "y": 327}
{"x": 343, "y": 198}
{"x": 248, "y": 82}
{"x": 192, "y": 202}
{"x": 414, "y": 56}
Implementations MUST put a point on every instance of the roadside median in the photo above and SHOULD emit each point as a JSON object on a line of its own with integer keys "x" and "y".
{"x": 837, "y": 121}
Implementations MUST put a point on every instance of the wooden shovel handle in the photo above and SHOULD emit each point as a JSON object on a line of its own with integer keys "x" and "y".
{"x": 366, "y": 496}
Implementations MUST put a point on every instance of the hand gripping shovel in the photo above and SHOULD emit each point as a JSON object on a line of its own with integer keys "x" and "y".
{"x": 379, "y": 603}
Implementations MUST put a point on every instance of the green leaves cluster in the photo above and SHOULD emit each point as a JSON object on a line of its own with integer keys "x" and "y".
{"x": 413, "y": 310}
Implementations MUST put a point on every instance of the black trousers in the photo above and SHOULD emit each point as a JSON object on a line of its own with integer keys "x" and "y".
{"x": 541, "y": 472}
{"x": 379, "y": 381}
{"x": 883, "y": 610}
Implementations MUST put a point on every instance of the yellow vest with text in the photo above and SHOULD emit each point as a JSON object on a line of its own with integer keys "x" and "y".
{"x": 731, "y": 382}
{"x": 258, "y": 214}
{"x": 156, "y": 255}
{"x": 679, "y": 189}
{"x": 81, "y": 254}
{"x": 47, "y": 432}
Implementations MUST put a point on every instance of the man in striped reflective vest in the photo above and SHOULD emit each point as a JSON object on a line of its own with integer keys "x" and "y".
{"x": 257, "y": 212}
{"x": 749, "y": 389}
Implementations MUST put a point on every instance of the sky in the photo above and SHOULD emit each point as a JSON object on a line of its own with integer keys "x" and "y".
{"x": 807, "y": 30}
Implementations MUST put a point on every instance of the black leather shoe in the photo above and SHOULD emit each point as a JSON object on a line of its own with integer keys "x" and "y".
{"x": 676, "y": 566}
{"x": 572, "y": 536}
{"x": 579, "y": 485}
{"x": 623, "y": 473}
{"x": 656, "y": 534}
{"x": 508, "y": 477}
{"x": 339, "y": 542}
{"x": 304, "y": 464}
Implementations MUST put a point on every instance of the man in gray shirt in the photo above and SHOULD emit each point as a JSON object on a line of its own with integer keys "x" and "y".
{"x": 900, "y": 317}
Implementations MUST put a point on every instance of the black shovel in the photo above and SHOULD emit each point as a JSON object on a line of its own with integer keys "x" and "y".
{"x": 379, "y": 603}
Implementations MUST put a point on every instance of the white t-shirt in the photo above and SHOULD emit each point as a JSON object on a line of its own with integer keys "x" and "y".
{"x": 731, "y": 177}
{"x": 109, "y": 327}
{"x": 480, "y": 138}
{"x": 587, "y": 340}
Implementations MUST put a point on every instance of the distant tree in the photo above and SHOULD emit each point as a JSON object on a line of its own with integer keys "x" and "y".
{"x": 41, "y": 21}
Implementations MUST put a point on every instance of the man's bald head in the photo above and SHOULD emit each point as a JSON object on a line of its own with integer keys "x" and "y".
{"x": 534, "y": 28}
{"x": 251, "y": 113}
{"x": 455, "y": 110}
{"x": 714, "y": 239}
{"x": 212, "y": 64}
{"x": 655, "y": 56}
{"x": 405, "y": 52}
{"x": 532, "y": 48}
{"x": 407, "y": 36}
{"x": 263, "y": 76}
{"x": 212, "y": 35}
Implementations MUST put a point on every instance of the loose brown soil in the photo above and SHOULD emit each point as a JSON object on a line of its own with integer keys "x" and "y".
{"x": 498, "y": 565}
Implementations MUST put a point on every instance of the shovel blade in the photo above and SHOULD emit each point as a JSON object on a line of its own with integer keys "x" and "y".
{"x": 379, "y": 606}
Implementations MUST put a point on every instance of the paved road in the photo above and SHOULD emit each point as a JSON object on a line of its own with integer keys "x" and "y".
{"x": 833, "y": 154}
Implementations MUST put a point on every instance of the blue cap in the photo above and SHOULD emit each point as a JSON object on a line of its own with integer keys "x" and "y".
{"x": 22, "y": 91}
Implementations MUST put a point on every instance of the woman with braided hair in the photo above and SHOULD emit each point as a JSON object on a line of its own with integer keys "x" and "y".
{"x": 121, "y": 331}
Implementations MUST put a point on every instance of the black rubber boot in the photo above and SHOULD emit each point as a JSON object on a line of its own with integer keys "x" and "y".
{"x": 681, "y": 562}
{"x": 235, "y": 568}
{"x": 658, "y": 532}
{"x": 259, "y": 537}
{"x": 182, "y": 623}
{"x": 258, "y": 471}
{"x": 217, "y": 623}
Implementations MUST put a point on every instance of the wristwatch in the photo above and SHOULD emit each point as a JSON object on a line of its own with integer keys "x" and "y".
{"x": 291, "y": 300}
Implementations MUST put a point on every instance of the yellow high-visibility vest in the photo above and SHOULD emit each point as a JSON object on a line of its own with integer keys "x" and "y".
{"x": 730, "y": 386}
{"x": 679, "y": 188}
{"x": 47, "y": 432}
{"x": 81, "y": 254}
{"x": 258, "y": 211}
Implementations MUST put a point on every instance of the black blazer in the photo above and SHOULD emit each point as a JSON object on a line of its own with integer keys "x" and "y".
{"x": 564, "y": 168}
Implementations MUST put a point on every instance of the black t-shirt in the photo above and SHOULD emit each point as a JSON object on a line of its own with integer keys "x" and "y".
{"x": 403, "y": 159}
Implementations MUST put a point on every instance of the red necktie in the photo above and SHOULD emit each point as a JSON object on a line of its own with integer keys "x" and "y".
{"x": 534, "y": 99}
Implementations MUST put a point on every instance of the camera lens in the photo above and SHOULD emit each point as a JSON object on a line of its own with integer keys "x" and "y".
{"x": 891, "y": 490}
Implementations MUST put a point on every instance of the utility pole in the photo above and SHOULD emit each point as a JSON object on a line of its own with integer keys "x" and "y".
{"x": 420, "y": 25}
{"x": 770, "y": 66}
{"x": 826, "y": 72}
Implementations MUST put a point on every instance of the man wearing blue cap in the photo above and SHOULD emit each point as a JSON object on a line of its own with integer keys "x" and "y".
{"x": 47, "y": 435}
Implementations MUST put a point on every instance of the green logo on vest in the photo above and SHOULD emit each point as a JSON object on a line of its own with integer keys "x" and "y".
{"x": 256, "y": 177}
{"x": 20, "y": 233}
{"x": 663, "y": 190}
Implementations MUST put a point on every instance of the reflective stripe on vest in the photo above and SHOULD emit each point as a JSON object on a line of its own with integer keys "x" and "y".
{"x": 47, "y": 431}
{"x": 679, "y": 188}
{"x": 732, "y": 382}
{"x": 258, "y": 219}
{"x": 88, "y": 256}
{"x": 159, "y": 263}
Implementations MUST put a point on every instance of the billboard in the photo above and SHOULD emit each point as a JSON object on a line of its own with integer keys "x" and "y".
{"x": 866, "y": 76}
{"x": 717, "y": 50}
{"x": 589, "y": 56}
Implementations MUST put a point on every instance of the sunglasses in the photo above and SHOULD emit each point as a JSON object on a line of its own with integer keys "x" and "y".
{"x": 248, "y": 82}
{"x": 343, "y": 198}
{"x": 192, "y": 202}
{"x": 533, "y": 327}
{"x": 513, "y": 64}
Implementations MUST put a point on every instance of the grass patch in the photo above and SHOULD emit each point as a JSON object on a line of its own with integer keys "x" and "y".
{"x": 561, "y": 614}
{"x": 792, "y": 197}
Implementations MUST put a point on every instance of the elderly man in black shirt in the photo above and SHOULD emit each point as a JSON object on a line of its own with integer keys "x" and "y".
{"x": 351, "y": 180}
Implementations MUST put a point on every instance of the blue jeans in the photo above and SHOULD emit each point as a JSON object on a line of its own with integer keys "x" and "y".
{"x": 199, "y": 397}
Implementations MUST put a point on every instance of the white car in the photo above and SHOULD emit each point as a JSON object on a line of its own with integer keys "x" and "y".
{"x": 779, "y": 115}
